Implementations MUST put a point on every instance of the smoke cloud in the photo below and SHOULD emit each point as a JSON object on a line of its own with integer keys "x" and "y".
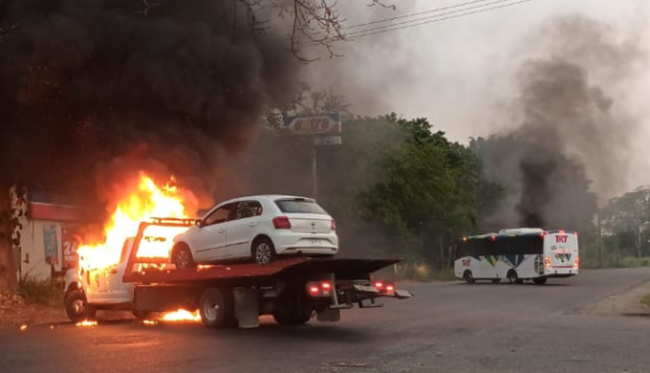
{"x": 575, "y": 134}
{"x": 95, "y": 90}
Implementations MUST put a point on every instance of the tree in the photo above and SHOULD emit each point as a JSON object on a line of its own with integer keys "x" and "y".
{"x": 429, "y": 191}
{"x": 626, "y": 224}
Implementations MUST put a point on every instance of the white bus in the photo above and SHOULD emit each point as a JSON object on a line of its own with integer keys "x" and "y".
{"x": 517, "y": 255}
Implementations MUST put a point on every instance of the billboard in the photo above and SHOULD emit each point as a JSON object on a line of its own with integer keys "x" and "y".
{"x": 323, "y": 124}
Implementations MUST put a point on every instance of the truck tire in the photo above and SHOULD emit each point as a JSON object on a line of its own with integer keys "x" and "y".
{"x": 263, "y": 251}
{"x": 182, "y": 257}
{"x": 77, "y": 308}
{"x": 217, "y": 308}
{"x": 294, "y": 310}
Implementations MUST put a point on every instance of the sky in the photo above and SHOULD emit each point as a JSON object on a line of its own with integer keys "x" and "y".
{"x": 461, "y": 73}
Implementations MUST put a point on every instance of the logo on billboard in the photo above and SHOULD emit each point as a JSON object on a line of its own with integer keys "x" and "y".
{"x": 324, "y": 124}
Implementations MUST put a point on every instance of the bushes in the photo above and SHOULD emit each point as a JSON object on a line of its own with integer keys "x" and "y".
{"x": 47, "y": 292}
{"x": 633, "y": 262}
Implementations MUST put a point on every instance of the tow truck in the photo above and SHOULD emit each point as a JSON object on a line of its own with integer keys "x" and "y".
{"x": 292, "y": 290}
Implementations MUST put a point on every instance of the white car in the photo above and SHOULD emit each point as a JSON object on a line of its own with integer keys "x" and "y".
{"x": 257, "y": 228}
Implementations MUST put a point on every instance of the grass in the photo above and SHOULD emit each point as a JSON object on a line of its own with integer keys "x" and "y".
{"x": 45, "y": 292}
{"x": 424, "y": 273}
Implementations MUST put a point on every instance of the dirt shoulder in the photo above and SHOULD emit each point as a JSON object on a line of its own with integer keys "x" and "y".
{"x": 632, "y": 302}
{"x": 15, "y": 312}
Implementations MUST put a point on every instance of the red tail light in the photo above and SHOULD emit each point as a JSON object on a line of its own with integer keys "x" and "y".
{"x": 320, "y": 289}
{"x": 379, "y": 285}
{"x": 281, "y": 222}
{"x": 333, "y": 225}
{"x": 576, "y": 264}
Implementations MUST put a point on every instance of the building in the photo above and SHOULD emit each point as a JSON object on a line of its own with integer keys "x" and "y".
{"x": 45, "y": 238}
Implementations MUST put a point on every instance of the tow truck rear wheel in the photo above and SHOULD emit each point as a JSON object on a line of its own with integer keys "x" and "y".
{"x": 216, "y": 308}
{"x": 77, "y": 308}
{"x": 182, "y": 257}
{"x": 294, "y": 310}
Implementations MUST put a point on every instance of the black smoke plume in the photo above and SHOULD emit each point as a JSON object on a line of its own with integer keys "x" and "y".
{"x": 571, "y": 147}
{"x": 93, "y": 90}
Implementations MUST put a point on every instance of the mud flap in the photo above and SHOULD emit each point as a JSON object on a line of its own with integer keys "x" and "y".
{"x": 328, "y": 315}
{"x": 247, "y": 309}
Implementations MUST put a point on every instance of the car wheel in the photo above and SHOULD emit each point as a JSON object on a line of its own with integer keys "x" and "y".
{"x": 514, "y": 278}
{"x": 77, "y": 308}
{"x": 216, "y": 308}
{"x": 263, "y": 251}
{"x": 182, "y": 257}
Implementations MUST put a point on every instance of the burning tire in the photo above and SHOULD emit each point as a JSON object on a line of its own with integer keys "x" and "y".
{"x": 77, "y": 308}
{"x": 263, "y": 251}
{"x": 182, "y": 257}
{"x": 216, "y": 309}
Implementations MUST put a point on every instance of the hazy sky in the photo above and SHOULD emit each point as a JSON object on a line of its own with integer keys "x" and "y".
{"x": 460, "y": 73}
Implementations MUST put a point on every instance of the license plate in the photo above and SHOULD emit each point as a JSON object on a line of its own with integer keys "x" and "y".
{"x": 314, "y": 241}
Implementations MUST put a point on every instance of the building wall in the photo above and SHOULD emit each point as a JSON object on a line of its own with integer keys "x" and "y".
{"x": 34, "y": 262}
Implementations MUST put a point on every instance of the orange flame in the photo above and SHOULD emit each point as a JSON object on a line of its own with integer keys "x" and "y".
{"x": 147, "y": 201}
{"x": 182, "y": 315}
{"x": 87, "y": 323}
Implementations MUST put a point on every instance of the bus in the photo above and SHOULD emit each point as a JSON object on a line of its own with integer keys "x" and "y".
{"x": 517, "y": 255}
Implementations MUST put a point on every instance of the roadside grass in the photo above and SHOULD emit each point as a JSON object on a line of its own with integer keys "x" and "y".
{"x": 424, "y": 273}
{"x": 44, "y": 292}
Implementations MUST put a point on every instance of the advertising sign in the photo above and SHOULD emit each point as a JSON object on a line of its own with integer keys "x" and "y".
{"x": 325, "y": 124}
{"x": 50, "y": 244}
{"x": 70, "y": 241}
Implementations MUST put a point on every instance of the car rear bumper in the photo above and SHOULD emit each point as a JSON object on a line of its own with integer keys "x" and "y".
{"x": 300, "y": 244}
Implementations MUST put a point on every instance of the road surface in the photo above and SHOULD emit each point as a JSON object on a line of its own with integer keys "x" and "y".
{"x": 445, "y": 328}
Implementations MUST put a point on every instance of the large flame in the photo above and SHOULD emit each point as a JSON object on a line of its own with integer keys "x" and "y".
{"x": 147, "y": 201}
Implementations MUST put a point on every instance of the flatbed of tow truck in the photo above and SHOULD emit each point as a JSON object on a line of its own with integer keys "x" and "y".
{"x": 291, "y": 289}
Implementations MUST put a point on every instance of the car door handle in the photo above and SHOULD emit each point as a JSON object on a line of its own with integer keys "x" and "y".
{"x": 113, "y": 271}
{"x": 222, "y": 230}
{"x": 252, "y": 224}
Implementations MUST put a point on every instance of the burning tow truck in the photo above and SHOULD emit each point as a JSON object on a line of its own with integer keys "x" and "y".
{"x": 292, "y": 289}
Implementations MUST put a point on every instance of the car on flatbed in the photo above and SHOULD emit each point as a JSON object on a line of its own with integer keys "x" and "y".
{"x": 291, "y": 289}
{"x": 257, "y": 228}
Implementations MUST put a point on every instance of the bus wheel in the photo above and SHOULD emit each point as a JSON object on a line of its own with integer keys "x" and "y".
{"x": 496, "y": 280}
{"x": 539, "y": 280}
{"x": 467, "y": 276}
{"x": 513, "y": 278}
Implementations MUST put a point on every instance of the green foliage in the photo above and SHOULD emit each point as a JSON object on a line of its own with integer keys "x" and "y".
{"x": 626, "y": 224}
{"x": 427, "y": 191}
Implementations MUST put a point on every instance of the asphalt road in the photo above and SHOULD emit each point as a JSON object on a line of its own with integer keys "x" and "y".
{"x": 445, "y": 328}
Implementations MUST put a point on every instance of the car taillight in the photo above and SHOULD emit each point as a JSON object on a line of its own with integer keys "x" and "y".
{"x": 547, "y": 262}
{"x": 281, "y": 222}
{"x": 320, "y": 289}
{"x": 333, "y": 225}
{"x": 379, "y": 285}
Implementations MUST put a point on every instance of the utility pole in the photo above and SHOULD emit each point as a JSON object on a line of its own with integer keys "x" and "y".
{"x": 314, "y": 172}
{"x": 600, "y": 240}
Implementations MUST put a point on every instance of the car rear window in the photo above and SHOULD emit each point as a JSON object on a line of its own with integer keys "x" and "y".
{"x": 299, "y": 206}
